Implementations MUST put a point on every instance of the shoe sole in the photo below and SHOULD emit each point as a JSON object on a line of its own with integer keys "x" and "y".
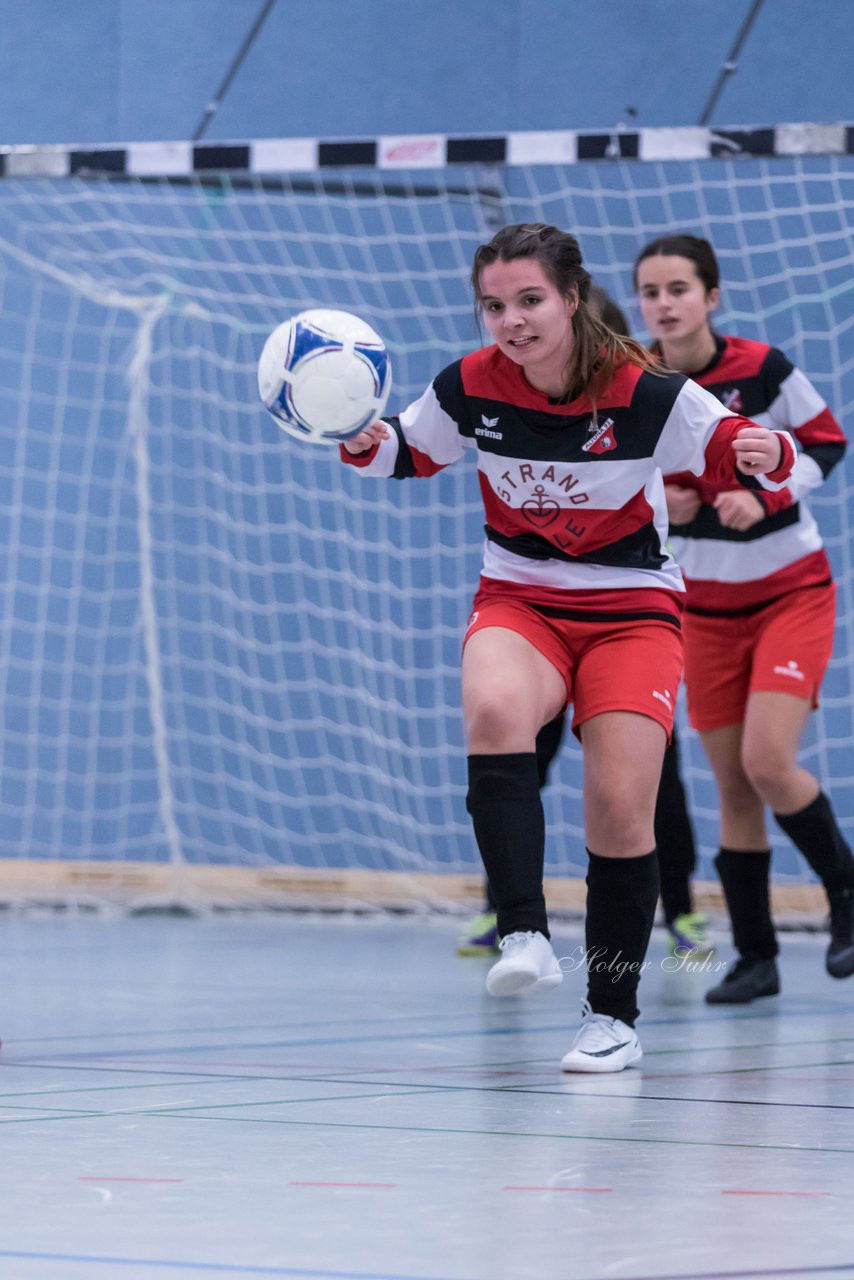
{"x": 516, "y": 984}
{"x": 598, "y": 1066}
{"x": 758, "y": 995}
{"x": 841, "y": 966}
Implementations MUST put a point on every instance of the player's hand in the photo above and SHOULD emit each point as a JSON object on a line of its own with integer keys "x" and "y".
{"x": 739, "y": 509}
{"x": 757, "y": 451}
{"x": 682, "y": 504}
{"x": 366, "y": 439}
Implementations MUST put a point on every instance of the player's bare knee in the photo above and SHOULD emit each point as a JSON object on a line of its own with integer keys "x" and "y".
{"x": 768, "y": 771}
{"x": 494, "y": 724}
{"x": 617, "y": 822}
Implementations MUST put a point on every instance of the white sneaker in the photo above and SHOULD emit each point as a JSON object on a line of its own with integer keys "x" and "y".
{"x": 527, "y": 964}
{"x": 602, "y": 1044}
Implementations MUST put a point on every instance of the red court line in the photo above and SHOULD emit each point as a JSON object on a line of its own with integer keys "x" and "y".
{"x": 776, "y": 1193}
{"x": 90, "y": 1177}
{"x": 557, "y": 1188}
{"x": 343, "y": 1184}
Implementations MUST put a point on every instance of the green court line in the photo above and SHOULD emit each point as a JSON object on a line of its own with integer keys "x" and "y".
{"x": 179, "y": 1083}
{"x": 517, "y": 1133}
{"x": 253, "y": 1027}
{"x": 401, "y": 1089}
{"x": 788, "y": 1066}
{"x": 553, "y": 1091}
{"x": 70, "y": 1113}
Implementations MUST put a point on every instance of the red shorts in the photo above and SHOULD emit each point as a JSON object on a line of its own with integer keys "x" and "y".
{"x": 783, "y": 648}
{"x": 606, "y": 666}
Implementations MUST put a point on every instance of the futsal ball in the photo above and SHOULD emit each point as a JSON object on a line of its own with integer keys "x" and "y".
{"x": 324, "y": 376}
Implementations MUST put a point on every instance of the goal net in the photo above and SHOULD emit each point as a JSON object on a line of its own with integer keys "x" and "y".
{"x": 229, "y": 665}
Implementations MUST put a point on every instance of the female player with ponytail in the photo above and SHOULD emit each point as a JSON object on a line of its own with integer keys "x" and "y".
{"x": 579, "y": 600}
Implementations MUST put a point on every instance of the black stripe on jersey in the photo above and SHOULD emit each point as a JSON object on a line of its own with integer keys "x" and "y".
{"x": 404, "y": 467}
{"x": 509, "y": 431}
{"x": 597, "y": 615}
{"x": 707, "y": 524}
{"x": 638, "y": 550}
{"x": 448, "y": 388}
{"x": 654, "y": 398}
{"x": 747, "y": 610}
{"x": 825, "y": 455}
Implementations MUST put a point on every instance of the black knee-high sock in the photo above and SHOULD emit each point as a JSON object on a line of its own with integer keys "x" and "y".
{"x": 744, "y": 879}
{"x": 507, "y": 812}
{"x": 547, "y": 746}
{"x": 674, "y": 839}
{"x": 815, "y": 831}
{"x": 621, "y": 898}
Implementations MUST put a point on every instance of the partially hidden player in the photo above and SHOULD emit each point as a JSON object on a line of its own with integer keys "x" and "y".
{"x": 759, "y": 617}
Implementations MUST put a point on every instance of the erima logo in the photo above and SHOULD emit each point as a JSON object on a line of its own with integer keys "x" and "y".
{"x": 663, "y": 697}
{"x": 602, "y": 439}
{"x": 488, "y": 428}
{"x": 791, "y": 669}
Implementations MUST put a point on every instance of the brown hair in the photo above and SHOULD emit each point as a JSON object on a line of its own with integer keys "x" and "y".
{"x": 697, "y": 250}
{"x": 604, "y": 306}
{"x": 597, "y": 350}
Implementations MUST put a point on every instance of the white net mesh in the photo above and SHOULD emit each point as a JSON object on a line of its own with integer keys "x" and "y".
{"x": 221, "y": 650}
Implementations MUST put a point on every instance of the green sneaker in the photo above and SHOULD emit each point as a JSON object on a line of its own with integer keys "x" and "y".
{"x": 480, "y": 937}
{"x": 688, "y": 937}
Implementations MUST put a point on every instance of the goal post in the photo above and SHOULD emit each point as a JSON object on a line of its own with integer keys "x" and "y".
{"x": 230, "y": 667}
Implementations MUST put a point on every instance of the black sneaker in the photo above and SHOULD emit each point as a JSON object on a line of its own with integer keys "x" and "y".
{"x": 747, "y": 980}
{"x": 839, "y": 960}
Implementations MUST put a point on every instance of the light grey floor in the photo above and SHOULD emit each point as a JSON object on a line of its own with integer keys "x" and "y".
{"x": 339, "y": 1099}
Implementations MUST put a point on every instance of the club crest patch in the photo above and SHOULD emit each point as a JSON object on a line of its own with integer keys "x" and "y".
{"x": 601, "y": 437}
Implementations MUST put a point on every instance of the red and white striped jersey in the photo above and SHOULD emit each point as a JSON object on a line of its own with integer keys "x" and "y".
{"x": 574, "y": 499}
{"x": 727, "y": 571}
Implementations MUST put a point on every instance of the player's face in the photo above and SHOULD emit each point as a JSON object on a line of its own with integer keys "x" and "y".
{"x": 674, "y": 302}
{"x": 529, "y": 319}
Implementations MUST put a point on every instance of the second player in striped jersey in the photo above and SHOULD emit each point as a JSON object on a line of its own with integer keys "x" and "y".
{"x": 759, "y": 617}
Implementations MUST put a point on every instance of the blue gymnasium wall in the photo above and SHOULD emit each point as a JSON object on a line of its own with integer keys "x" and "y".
{"x": 136, "y": 70}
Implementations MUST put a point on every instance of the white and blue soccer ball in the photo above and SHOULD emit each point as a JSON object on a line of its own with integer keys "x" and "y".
{"x": 324, "y": 376}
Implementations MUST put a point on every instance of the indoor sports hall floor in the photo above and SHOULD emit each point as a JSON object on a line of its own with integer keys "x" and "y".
{"x": 338, "y": 1099}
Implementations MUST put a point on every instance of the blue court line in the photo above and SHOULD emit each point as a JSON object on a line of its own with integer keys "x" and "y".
{"x": 222, "y": 1268}
{"x": 769, "y": 1273}
{"x": 312, "y": 1273}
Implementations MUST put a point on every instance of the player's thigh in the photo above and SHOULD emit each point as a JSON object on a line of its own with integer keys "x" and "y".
{"x": 510, "y": 690}
{"x": 623, "y": 753}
